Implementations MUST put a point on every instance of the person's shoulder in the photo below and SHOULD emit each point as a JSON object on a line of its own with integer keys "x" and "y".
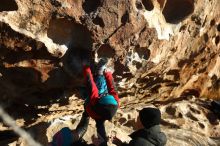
{"x": 138, "y": 133}
{"x": 139, "y": 141}
{"x": 163, "y": 138}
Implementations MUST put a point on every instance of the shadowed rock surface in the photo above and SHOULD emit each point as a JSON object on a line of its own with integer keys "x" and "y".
{"x": 164, "y": 53}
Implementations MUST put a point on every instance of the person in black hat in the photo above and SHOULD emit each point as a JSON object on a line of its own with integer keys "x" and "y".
{"x": 149, "y": 133}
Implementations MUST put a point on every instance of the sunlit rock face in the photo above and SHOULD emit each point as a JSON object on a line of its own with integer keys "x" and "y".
{"x": 163, "y": 52}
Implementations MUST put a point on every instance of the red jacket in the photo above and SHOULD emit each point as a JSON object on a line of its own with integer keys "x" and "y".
{"x": 94, "y": 93}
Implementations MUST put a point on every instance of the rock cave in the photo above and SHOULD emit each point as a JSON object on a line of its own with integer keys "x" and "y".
{"x": 179, "y": 74}
{"x": 76, "y": 37}
{"x": 176, "y": 11}
{"x": 8, "y": 5}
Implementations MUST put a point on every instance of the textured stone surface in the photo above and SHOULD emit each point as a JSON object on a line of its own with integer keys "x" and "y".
{"x": 163, "y": 52}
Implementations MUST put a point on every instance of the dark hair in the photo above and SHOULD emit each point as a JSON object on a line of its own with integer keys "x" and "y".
{"x": 150, "y": 117}
{"x": 106, "y": 112}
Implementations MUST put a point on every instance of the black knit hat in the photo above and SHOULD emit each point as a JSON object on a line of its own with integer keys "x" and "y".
{"x": 150, "y": 117}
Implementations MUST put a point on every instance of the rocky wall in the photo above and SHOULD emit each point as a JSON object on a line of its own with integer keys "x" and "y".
{"x": 160, "y": 50}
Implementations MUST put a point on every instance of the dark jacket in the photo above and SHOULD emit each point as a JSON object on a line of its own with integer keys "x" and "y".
{"x": 148, "y": 137}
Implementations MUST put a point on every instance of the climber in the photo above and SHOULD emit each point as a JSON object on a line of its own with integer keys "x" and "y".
{"x": 102, "y": 101}
{"x": 149, "y": 133}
